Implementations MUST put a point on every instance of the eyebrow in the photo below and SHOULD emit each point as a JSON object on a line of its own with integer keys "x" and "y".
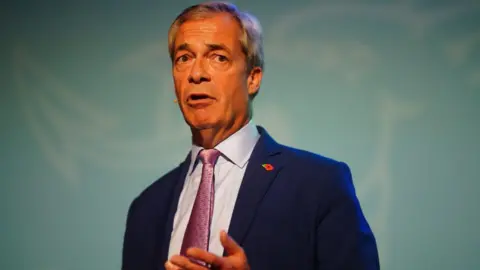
{"x": 211, "y": 47}
{"x": 218, "y": 47}
{"x": 183, "y": 47}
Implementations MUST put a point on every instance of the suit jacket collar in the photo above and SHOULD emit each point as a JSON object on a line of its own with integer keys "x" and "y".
{"x": 266, "y": 146}
{"x": 177, "y": 189}
{"x": 264, "y": 165}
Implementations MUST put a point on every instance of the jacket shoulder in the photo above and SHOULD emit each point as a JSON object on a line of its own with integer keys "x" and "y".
{"x": 319, "y": 173}
{"x": 308, "y": 159}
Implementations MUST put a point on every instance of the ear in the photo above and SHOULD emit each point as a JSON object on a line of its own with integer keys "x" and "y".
{"x": 254, "y": 80}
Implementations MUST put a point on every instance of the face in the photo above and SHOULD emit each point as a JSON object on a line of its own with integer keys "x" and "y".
{"x": 210, "y": 73}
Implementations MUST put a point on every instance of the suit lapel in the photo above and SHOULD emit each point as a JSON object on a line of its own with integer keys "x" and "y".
{"x": 255, "y": 184}
{"x": 177, "y": 189}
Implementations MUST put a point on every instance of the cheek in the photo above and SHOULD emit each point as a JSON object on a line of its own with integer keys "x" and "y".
{"x": 178, "y": 87}
{"x": 233, "y": 91}
{"x": 236, "y": 101}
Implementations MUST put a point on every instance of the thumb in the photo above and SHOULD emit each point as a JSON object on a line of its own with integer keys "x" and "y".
{"x": 231, "y": 247}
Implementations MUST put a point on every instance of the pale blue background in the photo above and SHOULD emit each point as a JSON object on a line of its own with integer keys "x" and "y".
{"x": 88, "y": 119}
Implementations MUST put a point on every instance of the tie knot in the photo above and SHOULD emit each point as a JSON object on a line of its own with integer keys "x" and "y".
{"x": 209, "y": 156}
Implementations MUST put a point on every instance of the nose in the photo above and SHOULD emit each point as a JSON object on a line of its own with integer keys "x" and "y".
{"x": 198, "y": 73}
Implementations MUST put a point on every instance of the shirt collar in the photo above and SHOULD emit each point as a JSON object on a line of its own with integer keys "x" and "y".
{"x": 236, "y": 148}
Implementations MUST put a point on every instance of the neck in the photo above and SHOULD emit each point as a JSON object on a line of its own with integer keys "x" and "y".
{"x": 210, "y": 137}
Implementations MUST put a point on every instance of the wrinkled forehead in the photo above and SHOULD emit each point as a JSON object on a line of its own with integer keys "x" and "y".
{"x": 218, "y": 29}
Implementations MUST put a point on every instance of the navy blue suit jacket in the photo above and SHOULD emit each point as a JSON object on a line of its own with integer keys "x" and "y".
{"x": 303, "y": 214}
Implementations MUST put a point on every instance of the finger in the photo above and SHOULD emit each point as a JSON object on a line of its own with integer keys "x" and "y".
{"x": 171, "y": 266}
{"x": 205, "y": 256}
{"x": 231, "y": 247}
{"x": 185, "y": 263}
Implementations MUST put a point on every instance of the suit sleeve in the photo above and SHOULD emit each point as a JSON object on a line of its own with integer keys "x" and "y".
{"x": 344, "y": 238}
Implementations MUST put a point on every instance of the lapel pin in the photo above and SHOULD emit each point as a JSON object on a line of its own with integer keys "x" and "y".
{"x": 267, "y": 166}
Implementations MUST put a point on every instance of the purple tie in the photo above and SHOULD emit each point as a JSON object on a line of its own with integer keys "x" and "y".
{"x": 197, "y": 233}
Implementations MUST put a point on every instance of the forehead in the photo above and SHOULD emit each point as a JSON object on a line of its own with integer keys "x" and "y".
{"x": 217, "y": 28}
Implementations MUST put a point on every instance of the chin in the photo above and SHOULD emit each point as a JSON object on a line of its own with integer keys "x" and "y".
{"x": 200, "y": 125}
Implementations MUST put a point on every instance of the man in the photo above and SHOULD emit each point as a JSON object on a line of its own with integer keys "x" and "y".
{"x": 240, "y": 200}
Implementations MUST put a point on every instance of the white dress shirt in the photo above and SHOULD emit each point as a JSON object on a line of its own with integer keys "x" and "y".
{"x": 228, "y": 173}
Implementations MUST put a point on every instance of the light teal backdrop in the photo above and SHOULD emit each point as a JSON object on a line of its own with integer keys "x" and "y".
{"x": 88, "y": 119}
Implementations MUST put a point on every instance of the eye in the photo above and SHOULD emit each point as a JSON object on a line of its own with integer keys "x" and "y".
{"x": 182, "y": 58}
{"x": 220, "y": 58}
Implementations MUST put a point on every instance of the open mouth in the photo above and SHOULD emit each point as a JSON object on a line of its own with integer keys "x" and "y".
{"x": 199, "y": 100}
{"x": 196, "y": 97}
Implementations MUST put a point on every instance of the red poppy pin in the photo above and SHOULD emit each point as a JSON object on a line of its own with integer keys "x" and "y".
{"x": 267, "y": 166}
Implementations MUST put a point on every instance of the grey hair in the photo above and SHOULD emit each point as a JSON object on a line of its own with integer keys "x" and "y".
{"x": 251, "y": 39}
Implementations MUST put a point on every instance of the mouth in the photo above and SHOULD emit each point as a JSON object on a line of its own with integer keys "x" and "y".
{"x": 199, "y": 100}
